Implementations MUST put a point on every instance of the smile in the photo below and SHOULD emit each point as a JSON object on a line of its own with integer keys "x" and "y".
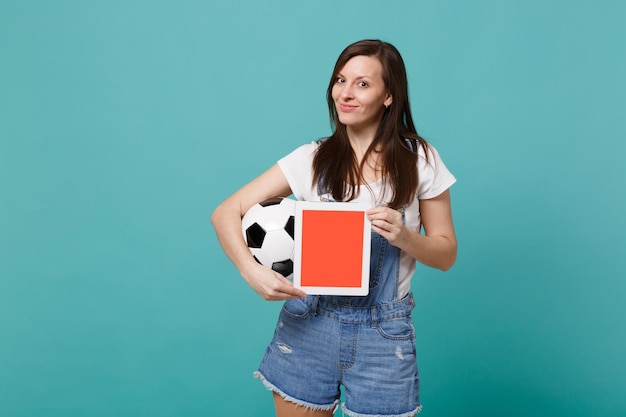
{"x": 346, "y": 107}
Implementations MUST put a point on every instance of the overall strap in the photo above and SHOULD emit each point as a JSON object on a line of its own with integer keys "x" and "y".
{"x": 412, "y": 144}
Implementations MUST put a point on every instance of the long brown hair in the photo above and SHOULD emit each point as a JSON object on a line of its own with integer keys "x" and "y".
{"x": 335, "y": 165}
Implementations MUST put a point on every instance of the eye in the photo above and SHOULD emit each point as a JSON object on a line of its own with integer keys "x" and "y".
{"x": 339, "y": 80}
{"x": 363, "y": 84}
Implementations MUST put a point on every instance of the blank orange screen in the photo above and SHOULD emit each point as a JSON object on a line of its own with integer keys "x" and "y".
{"x": 332, "y": 248}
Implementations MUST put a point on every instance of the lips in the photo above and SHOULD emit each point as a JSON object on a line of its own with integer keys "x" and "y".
{"x": 346, "y": 107}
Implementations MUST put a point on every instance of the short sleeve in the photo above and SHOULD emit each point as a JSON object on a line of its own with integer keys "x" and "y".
{"x": 297, "y": 168}
{"x": 433, "y": 176}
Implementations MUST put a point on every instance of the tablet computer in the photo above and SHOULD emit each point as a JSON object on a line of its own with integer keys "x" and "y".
{"x": 332, "y": 248}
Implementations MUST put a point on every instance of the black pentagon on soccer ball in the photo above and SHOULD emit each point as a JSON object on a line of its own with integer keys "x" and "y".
{"x": 271, "y": 202}
{"x": 290, "y": 225}
{"x": 255, "y": 235}
{"x": 285, "y": 268}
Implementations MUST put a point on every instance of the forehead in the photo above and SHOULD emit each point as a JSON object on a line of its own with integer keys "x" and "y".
{"x": 363, "y": 66}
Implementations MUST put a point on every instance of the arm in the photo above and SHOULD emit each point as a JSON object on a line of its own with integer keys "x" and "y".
{"x": 437, "y": 248}
{"x": 226, "y": 220}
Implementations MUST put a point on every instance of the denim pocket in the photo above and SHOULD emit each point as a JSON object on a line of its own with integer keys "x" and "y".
{"x": 298, "y": 308}
{"x": 397, "y": 329}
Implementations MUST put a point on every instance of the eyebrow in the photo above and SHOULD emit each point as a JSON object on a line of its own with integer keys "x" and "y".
{"x": 358, "y": 77}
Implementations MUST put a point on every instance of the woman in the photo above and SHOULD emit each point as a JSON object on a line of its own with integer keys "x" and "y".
{"x": 365, "y": 344}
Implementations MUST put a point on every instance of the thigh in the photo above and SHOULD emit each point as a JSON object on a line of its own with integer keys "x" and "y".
{"x": 286, "y": 408}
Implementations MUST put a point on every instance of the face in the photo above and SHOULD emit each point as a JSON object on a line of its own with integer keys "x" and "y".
{"x": 359, "y": 93}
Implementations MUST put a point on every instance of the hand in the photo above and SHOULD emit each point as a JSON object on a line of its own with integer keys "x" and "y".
{"x": 387, "y": 222}
{"x": 271, "y": 285}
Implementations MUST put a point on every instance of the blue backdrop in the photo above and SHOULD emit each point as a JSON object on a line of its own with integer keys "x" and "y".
{"x": 124, "y": 123}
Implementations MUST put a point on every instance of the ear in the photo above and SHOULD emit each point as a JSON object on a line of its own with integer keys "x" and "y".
{"x": 388, "y": 100}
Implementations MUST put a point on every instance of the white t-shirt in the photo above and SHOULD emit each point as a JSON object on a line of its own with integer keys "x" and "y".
{"x": 434, "y": 178}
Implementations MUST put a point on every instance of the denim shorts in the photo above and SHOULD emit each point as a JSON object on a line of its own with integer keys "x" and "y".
{"x": 319, "y": 346}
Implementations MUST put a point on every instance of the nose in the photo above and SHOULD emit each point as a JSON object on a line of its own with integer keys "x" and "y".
{"x": 346, "y": 92}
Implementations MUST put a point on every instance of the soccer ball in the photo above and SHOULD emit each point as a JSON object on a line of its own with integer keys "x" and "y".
{"x": 268, "y": 231}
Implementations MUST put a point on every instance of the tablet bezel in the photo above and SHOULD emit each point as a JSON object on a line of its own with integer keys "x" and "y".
{"x": 301, "y": 207}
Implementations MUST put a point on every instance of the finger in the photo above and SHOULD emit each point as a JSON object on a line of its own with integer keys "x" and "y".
{"x": 377, "y": 217}
{"x": 380, "y": 227}
{"x": 288, "y": 289}
{"x": 293, "y": 292}
{"x": 376, "y": 211}
{"x": 384, "y": 213}
{"x": 277, "y": 294}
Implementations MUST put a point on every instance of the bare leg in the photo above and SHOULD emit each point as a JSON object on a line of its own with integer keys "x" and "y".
{"x": 286, "y": 408}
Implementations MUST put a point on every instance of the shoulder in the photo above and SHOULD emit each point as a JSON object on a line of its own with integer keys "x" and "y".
{"x": 300, "y": 158}
{"x": 305, "y": 151}
{"x": 434, "y": 176}
{"x": 310, "y": 147}
{"x": 428, "y": 156}
{"x": 297, "y": 168}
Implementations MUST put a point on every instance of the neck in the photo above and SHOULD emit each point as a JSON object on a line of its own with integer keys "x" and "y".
{"x": 361, "y": 139}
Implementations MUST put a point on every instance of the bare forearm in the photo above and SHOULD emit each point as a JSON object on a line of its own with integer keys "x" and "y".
{"x": 437, "y": 247}
{"x": 226, "y": 220}
{"x": 434, "y": 251}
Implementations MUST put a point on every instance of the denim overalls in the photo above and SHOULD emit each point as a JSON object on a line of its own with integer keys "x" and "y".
{"x": 366, "y": 344}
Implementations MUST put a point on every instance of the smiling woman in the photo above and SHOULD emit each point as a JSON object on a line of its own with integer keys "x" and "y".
{"x": 374, "y": 156}
{"x": 360, "y": 95}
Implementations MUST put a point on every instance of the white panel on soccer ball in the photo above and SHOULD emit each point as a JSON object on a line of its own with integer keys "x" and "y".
{"x": 262, "y": 257}
{"x": 278, "y": 245}
{"x": 272, "y": 218}
{"x": 270, "y": 224}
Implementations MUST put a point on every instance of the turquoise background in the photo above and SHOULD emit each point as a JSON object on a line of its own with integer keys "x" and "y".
{"x": 124, "y": 123}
